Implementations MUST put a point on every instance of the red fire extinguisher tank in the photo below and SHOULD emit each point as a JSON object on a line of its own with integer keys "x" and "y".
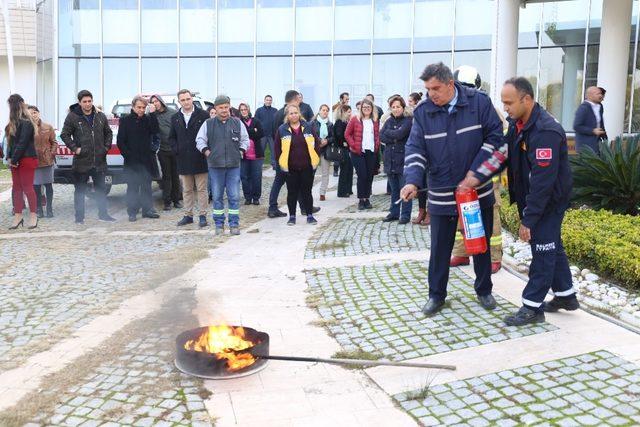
{"x": 470, "y": 217}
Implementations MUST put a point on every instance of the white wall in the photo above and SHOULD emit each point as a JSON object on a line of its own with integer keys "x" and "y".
{"x": 25, "y": 83}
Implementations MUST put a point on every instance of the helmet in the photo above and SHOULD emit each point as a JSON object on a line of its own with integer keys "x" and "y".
{"x": 468, "y": 76}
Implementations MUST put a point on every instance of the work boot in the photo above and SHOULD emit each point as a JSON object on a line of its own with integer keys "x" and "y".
{"x": 422, "y": 213}
{"x": 488, "y": 302}
{"x": 185, "y": 220}
{"x": 219, "y": 231}
{"x": 569, "y": 303}
{"x": 235, "y": 231}
{"x": 457, "y": 261}
{"x": 495, "y": 267}
{"x": 432, "y": 307}
{"x": 524, "y": 316}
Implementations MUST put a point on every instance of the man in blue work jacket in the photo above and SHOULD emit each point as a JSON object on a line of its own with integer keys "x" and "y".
{"x": 540, "y": 184}
{"x": 456, "y": 139}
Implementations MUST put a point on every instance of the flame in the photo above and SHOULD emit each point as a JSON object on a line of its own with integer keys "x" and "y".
{"x": 224, "y": 342}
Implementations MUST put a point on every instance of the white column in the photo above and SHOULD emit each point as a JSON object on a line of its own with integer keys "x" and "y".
{"x": 613, "y": 61}
{"x": 504, "y": 51}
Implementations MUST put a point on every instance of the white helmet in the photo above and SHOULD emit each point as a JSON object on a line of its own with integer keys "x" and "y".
{"x": 468, "y": 76}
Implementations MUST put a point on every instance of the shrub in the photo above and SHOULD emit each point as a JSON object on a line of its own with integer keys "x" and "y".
{"x": 610, "y": 180}
{"x": 605, "y": 242}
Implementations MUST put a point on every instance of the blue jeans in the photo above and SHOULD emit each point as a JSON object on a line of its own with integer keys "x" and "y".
{"x": 278, "y": 182}
{"x": 251, "y": 176}
{"x": 396, "y": 182}
{"x": 268, "y": 141}
{"x": 225, "y": 179}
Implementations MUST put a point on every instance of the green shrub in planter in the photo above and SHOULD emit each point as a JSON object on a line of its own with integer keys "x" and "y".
{"x": 610, "y": 180}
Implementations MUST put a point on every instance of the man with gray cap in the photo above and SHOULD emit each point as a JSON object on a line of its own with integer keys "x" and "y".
{"x": 223, "y": 140}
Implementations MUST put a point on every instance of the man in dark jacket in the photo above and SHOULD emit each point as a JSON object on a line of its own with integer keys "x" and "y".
{"x": 589, "y": 121}
{"x": 371, "y": 98}
{"x": 223, "y": 140}
{"x": 134, "y": 141}
{"x": 540, "y": 185}
{"x": 266, "y": 116}
{"x": 456, "y": 138}
{"x": 87, "y": 134}
{"x": 171, "y": 192}
{"x": 191, "y": 164}
{"x": 305, "y": 109}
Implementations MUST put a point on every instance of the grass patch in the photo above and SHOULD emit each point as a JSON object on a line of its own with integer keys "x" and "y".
{"x": 420, "y": 394}
{"x": 323, "y": 323}
{"x": 313, "y": 300}
{"x": 357, "y": 355}
{"x": 338, "y": 244}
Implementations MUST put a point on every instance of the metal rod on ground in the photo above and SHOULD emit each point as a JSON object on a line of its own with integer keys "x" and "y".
{"x": 359, "y": 362}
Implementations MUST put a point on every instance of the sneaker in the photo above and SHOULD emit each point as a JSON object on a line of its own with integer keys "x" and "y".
{"x": 106, "y": 218}
{"x": 457, "y": 261}
{"x": 133, "y": 218}
{"x": 185, "y": 220}
{"x": 203, "y": 221}
{"x": 292, "y": 220}
{"x": 167, "y": 206}
{"x": 569, "y": 303}
{"x": 219, "y": 231}
{"x": 524, "y": 316}
{"x": 367, "y": 204}
{"x": 235, "y": 231}
{"x": 276, "y": 214}
{"x": 311, "y": 220}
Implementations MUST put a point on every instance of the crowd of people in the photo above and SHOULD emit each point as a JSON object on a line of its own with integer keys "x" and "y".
{"x": 452, "y": 140}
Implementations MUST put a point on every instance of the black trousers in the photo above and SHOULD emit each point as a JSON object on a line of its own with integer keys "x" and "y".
{"x": 171, "y": 191}
{"x": 364, "y": 165}
{"x": 80, "y": 180}
{"x": 138, "y": 189}
{"x": 299, "y": 185}
{"x": 345, "y": 179}
{"x": 443, "y": 233}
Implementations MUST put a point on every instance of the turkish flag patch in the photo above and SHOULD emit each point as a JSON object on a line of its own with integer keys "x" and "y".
{"x": 544, "y": 154}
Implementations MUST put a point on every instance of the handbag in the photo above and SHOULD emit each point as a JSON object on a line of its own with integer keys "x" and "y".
{"x": 333, "y": 153}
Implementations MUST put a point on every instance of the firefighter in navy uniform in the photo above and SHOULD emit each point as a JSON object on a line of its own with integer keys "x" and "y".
{"x": 457, "y": 140}
{"x": 540, "y": 185}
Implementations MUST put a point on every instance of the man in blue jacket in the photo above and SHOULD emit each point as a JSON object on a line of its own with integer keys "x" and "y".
{"x": 266, "y": 115}
{"x": 589, "y": 121}
{"x": 456, "y": 139}
{"x": 540, "y": 184}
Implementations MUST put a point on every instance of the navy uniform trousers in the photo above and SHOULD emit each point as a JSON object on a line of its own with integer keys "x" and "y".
{"x": 549, "y": 267}
{"x": 443, "y": 234}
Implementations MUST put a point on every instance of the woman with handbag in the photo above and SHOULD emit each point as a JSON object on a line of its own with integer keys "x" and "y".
{"x": 46, "y": 146}
{"x": 253, "y": 158}
{"x": 135, "y": 139}
{"x": 362, "y": 135}
{"x": 329, "y": 152}
{"x": 345, "y": 179}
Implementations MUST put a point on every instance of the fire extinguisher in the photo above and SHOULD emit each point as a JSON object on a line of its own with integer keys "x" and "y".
{"x": 475, "y": 241}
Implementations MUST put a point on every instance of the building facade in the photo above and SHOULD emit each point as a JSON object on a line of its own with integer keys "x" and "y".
{"x": 250, "y": 48}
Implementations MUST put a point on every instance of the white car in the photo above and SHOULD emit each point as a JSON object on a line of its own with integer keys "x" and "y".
{"x": 115, "y": 162}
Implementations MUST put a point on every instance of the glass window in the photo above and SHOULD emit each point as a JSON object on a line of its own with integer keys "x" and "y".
{"x": 481, "y": 60}
{"x": 595, "y": 20}
{"x": 351, "y": 74}
{"x": 159, "y": 75}
{"x": 120, "y": 82}
{"x": 120, "y": 27}
{"x": 564, "y": 22}
{"x": 434, "y": 25}
{"x": 314, "y": 21}
{"x": 78, "y": 74}
{"x": 274, "y": 78}
{"x": 529, "y": 25}
{"x": 275, "y": 27}
{"x": 353, "y": 26}
{"x": 392, "y": 26}
{"x": 551, "y": 79}
{"x": 45, "y": 97}
{"x": 197, "y": 27}
{"x": 158, "y": 34}
{"x": 235, "y": 79}
{"x": 474, "y": 24}
{"x": 79, "y": 28}
{"x": 420, "y": 62}
{"x": 236, "y": 27}
{"x": 199, "y": 75}
{"x": 390, "y": 76}
{"x": 313, "y": 75}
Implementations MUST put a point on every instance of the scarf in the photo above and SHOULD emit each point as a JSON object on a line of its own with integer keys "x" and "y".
{"x": 324, "y": 129}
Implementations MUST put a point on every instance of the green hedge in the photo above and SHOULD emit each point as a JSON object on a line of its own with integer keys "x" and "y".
{"x": 607, "y": 243}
